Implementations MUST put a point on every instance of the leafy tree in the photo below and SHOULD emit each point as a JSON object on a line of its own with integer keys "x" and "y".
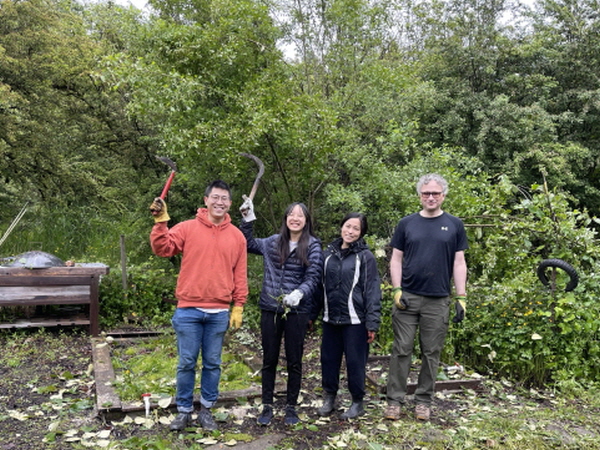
{"x": 518, "y": 328}
{"x": 67, "y": 146}
{"x": 566, "y": 32}
{"x": 509, "y": 95}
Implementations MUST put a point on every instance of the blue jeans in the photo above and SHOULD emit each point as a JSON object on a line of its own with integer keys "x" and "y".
{"x": 198, "y": 331}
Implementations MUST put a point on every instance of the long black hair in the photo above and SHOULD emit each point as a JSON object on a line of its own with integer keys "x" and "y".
{"x": 283, "y": 245}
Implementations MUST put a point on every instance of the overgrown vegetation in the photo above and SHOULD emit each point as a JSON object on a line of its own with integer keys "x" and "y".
{"x": 372, "y": 95}
{"x": 150, "y": 286}
{"x": 149, "y": 366}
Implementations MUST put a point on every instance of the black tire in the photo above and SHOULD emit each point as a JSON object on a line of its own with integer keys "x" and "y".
{"x": 559, "y": 264}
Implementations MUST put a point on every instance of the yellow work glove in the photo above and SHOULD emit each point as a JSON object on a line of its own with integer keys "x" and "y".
{"x": 401, "y": 303}
{"x": 235, "y": 317}
{"x": 461, "y": 308}
{"x": 158, "y": 209}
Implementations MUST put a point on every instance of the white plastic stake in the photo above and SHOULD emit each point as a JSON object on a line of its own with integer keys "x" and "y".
{"x": 146, "y": 398}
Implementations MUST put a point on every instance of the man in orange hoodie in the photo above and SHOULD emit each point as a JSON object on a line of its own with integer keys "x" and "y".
{"x": 212, "y": 277}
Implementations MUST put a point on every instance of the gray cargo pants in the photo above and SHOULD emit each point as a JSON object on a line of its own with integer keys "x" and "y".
{"x": 430, "y": 316}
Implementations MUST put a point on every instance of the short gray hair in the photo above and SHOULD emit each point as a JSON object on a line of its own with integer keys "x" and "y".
{"x": 425, "y": 179}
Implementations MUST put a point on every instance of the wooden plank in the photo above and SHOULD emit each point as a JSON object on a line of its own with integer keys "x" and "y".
{"x": 446, "y": 385}
{"x": 38, "y": 295}
{"x": 10, "y": 280}
{"x": 81, "y": 300}
{"x": 47, "y": 322}
{"x": 83, "y": 269}
{"x": 104, "y": 374}
{"x": 226, "y": 397}
{"x": 449, "y": 385}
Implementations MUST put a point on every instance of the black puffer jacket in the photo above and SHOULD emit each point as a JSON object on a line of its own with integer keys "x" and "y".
{"x": 280, "y": 279}
{"x": 351, "y": 286}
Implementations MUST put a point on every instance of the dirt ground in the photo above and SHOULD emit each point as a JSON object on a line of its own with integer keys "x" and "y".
{"x": 47, "y": 400}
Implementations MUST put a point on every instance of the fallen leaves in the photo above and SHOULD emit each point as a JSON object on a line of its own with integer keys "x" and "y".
{"x": 18, "y": 415}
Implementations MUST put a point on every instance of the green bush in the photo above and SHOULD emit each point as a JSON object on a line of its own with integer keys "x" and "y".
{"x": 142, "y": 302}
{"x": 516, "y": 327}
{"x": 255, "y": 277}
{"x": 385, "y": 336}
{"x": 149, "y": 284}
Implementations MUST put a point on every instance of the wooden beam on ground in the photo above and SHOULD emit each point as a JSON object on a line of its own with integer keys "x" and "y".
{"x": 446, "y": 385}
{"x": 107, "y": 399}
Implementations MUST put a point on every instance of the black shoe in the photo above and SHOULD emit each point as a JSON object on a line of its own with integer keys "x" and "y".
{"x": 205, "y": 419}
{"x": 265, "y": 416}
{"x": 355, "y": 410}
{"x": 328, "y": 405}
{"x": 181, "y": 422}
{"x": 291, "y": 418}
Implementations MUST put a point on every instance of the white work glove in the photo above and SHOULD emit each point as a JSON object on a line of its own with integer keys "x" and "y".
{"x": 247, "y": 209}
{"x": 293, "y": 298}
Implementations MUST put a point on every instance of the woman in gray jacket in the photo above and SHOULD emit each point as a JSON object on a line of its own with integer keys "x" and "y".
{"x": 351, "y": 305}
{"x": 293, "y": 264}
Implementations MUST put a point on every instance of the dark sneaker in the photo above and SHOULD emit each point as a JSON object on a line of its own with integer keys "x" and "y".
{"x": 205, "y": 419}
{"x": 355, "y": 410}
{"x": 265, "y": 416}
{"x": 181, "y": 422}
{"x": 291, "y": 417}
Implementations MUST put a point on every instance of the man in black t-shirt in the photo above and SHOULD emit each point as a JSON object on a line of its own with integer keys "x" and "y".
{"x": 428, "y": 251}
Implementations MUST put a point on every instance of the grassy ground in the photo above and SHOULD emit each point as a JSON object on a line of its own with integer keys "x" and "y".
{"x": 47, "y": 401}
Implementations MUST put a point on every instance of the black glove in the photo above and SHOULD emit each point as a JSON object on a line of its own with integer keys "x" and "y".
{"x": 461, "y": 307}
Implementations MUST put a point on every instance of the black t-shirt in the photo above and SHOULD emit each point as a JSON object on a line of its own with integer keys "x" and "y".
{"x": 429, "y": 246}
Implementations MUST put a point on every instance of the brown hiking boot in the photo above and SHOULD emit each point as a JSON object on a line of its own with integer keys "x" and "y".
{"x": 422, "y": 412}
{"x": 392, "y": 412}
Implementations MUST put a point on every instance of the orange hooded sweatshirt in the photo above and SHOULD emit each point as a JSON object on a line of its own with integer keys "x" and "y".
{"x": 214, "y": 265}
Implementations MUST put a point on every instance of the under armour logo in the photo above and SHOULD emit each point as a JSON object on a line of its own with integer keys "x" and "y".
{"x": 444, "y": 228}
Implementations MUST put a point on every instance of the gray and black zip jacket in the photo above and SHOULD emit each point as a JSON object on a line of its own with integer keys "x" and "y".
{"x": 282, "y": 278}
{"x": 351, "y": 291}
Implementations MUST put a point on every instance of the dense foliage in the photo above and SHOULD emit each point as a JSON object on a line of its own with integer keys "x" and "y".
{"x": 347, "y": 102}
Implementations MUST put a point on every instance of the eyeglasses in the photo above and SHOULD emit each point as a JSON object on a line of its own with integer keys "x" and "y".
{"x": 433, "y": 194}
{"x": 216, "y": 198}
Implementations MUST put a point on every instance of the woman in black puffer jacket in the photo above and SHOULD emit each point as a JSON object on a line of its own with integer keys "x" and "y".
{"x": 293, "y": 265}
{"x": 351, "y": 305}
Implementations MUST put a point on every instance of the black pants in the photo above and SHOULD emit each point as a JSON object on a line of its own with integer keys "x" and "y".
{"x": 293, "y": 329}
{"x": 349, "y": 340}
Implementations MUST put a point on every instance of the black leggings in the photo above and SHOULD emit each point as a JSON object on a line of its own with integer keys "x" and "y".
{"x": 273, "y": 328}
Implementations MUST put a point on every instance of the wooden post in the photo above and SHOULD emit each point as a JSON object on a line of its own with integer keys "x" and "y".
{"x": 95, "y": 305}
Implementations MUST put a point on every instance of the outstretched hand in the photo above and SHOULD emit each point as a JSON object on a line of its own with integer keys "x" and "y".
{"x": 247, "y": 209}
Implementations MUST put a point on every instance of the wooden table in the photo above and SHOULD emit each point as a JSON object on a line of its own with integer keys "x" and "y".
{"x": 76, "y": 285}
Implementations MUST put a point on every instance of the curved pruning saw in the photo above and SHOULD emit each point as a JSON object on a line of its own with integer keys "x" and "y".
{"x": 261, "y": 171}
